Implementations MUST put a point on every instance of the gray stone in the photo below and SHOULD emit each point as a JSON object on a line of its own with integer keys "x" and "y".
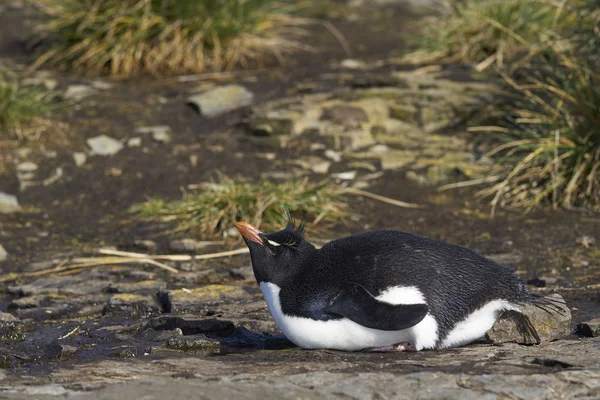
{"x": 533, "y": 324}
{"x": 159, "y": 133}
{"x": 78, "y": 92}
{"x": 3, "y": 253}
{"x": 345, "y": 114}
{"x": 134, "y": 142}
{"x": 221, "y": 100}
{"x": 589, "y": 328}
{"x": 8, "y": 204}
{"x": 79, "y": 158}
{"x": 6, "y": 317}
{"x": 27, "y": 166}
{"x": 104, "y": 145}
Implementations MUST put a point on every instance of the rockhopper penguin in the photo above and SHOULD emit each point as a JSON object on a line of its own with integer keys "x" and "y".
{"x": 382, "y": 290}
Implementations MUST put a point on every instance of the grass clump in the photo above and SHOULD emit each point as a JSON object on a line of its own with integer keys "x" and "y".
{"x": 551, "y": 126}
{"x": 213, "y": 210}
{"x": 161, "y": 37}
{"x": 493, "y": 31}
{"x": 22, "y": 109}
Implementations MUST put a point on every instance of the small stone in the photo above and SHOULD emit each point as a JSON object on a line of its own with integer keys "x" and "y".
{"x": 102, "y": 85}
{"x": 8, "y": 204}
{"x": 182, "y": 245}
{"x": 321, "y": 167}
{"x": 345, "y": 114}
{"x": 3, "y": 253}
{"x": 134, "y": 142}
{"x": 335, "y": 156}
{"x": 6, "y": 317}
{"x": 78, "y": 92}
{"x": 147, "y": 245}
{"x": 533, "y": 325}
{"x": 27, "y": 167}
{"x": 80, "y": 158}
{"x": 221, "y": 100}
{"x": 589, "y": 328}
{"x": 586, "y": 241}
{"x": 160, "y": 133}
{"x": 351, "y": 63}
{"x": 348, "y": 175}
{"x": 104, "y": 145}
{"x": 57, "y": 351}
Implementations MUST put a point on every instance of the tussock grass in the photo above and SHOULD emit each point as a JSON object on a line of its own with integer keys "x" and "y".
{"x": 163, "y": 37}
{"x": 213, "y": 210}
{"x": 551, "y": 127}
{"x": 22, "y": 109}
{"x": 490, "y": 32}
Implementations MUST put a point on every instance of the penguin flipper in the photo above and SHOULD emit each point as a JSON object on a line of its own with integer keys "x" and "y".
{"x": 358, "y": 305}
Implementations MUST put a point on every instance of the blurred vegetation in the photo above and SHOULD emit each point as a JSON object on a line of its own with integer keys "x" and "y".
{"x": 22, "y": 108}
{"x": 549, "y": 120}
{"x": 216, "y": 207}
{"x": 162, "y": 37}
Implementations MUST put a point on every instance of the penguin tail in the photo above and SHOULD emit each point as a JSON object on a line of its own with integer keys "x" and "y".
{"x": 545, "y": 303}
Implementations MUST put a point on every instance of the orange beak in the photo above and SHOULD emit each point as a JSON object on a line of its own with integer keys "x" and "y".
{"x": 249, "y": 232}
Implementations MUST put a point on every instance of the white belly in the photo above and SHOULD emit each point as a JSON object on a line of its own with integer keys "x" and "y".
{"x": 345, "y": 334}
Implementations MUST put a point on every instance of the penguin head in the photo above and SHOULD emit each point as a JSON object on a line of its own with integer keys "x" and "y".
{"x": 276, "y": 256}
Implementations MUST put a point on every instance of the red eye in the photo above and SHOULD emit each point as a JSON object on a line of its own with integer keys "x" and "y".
{"x": 272, "y": 251}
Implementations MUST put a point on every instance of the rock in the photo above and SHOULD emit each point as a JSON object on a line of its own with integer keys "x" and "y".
{"x": 6, "y": 317}
{"x": 79, "y": 158}
{"x": 533, "y": 325}
{"x": 347, "y": 176}
{"x": 190, "y": 325}
{"x": 131, "y": 305}
{"x": 60, "y": 352}
{"x": 335, "y": 156}
{"x": 78, "y": 92}
{"x": 350, "y": 63}
{"x": 134, "y": 142}
{"x": 102, "y": 85}
{"x": 589, "y": 328}
{"x": 160, "y": 133}
{"x": 11, "y": 331}
{"x": 403, "y": 112}
{"x": 345, "y": 114}
{"x": 185, "y": 245}
{"x": 28, "y": 166}
{"x": 321, "y": 167}
{"x": 104, "y": 145}
{"x": 8, "y": 204}
{"x": 3, "y": 253}
{"x": 146, "y": 245}
{"x": 221, "y": 100}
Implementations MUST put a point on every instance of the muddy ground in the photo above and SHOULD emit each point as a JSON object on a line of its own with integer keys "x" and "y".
{"x": 136, "y": 330}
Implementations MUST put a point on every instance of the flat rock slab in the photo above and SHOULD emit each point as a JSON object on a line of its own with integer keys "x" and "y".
{"x": 534, "y": 324}
{"x": 104, "y": 145}
{"x": 221, "y": 100}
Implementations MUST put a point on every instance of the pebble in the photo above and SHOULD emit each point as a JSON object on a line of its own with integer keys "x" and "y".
{"x": 221, "y": 100}
{"x": 27, "y": 167}
{"x": 351, "y": 63}
{"x": 134, "y": 142}
{"x": 8, "y": 203}
{"x": 160, "y": 133}
{"x": 104, "y": 145}
{"x": 347, "y": 176}
{"x": 79, "y": 158}
{"x": 335, "y": 156}
{"x": 78, "y": 92}
{"x": 3, "y": 253}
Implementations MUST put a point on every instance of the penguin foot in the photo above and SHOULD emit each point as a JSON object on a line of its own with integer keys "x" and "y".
{"x": 402, "y": 346}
